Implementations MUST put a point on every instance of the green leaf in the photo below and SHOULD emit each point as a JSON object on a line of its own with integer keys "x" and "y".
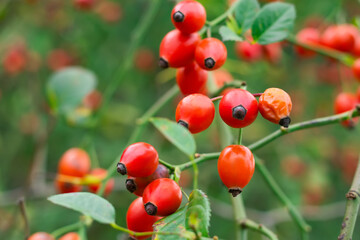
{"x": 176, "y": 134}
{"x": 196, "y": 213}
{"x": 273, "y": 22}
{"x": 228, "y": 35}
{"x": 245, "y": 13}
{"x": 68, "y": 87}
{"x": 88, "y": 204}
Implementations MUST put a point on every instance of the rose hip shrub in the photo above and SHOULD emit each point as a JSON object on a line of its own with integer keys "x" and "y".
{"x": 169, "y": 116}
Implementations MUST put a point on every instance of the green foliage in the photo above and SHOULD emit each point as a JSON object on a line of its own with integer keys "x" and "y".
{"x": 88, "y": 204}
{"x": 68, "y": 87}
{"x": 194, "y": 216}
{"x": 228, "y": 35}
{"x": 245, "y": 13}
{"x": 273, "y": 23}
{"x": 176, "y": 134}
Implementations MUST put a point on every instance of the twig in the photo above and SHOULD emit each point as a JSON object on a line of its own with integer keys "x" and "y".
{"x": 21, "y": 203}
{"x": 258, "y": 228}
{"x": 68, "y": 228}
{"x": 352, "y": 207}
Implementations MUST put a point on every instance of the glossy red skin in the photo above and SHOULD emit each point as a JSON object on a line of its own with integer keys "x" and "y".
{"x": 138, "y": 220}
{"x": 101, "y": 173}
{"x": 191, "y": 79}
{"x": 275, "y": 104}
{"x": 236, "y": 166}
{"x": 84, "y": 4}
{"x": 197, "y": 110}
{"x": 356, "y": 69}
{"x": 310, "y": 36}
{"x": 65, "y": 187}
{"x": 358, "y": 95}
{"x": 345, "y": 102}
{"x": 74, "y": 162}
{"x": 211, "y": 47}
{"x": 195, "y": 16}
{"x": 248, "y": 52}
{"x": 272, "y": 52}
{"x": 235, "y": 98}
{"x": 70, "y": 236}
{"x": 41, "y": 236}
{"x": 165, "y": 194}
{"x": 340, "y": 37}
{"x": 356, "y": 50}
{"x": 178, "y": 49}
{"x": 141, "y": 183}
{"x": 141, "y": 159}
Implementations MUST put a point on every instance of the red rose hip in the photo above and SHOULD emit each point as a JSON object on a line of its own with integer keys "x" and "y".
{"x": 195, "y": 112}
{"x": 210, "y": 54}
{"x": 138, "y": 160}
{"x": 236, "y": 167}
{"x": 188, "y": 16}
{"x": 162, "y": 197}
{"x": 191, "y": 79}
{"x": 74, "y": 162}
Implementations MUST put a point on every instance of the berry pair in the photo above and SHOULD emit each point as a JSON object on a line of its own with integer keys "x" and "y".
{"x": 75, "y": 165}
{"x": 255, "y": 52}
{"x": 238, "y": 108}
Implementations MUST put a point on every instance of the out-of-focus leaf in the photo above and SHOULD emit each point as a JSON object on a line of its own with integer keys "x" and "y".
{"x": 228, "y": 35}
{"x": 245, "y": 13}
{"x": 88, "y": 204}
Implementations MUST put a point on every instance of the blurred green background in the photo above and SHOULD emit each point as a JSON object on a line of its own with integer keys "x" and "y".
{"x": 314, "y": 167}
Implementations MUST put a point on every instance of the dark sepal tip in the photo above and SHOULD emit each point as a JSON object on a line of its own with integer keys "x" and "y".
{"x": 178, "y": 16}
{"x": 285, "y": 122}
{"x": 209, "y": 63}
{"x": 130, "y": 185}
{"x": 163, "y": 63}
{"x": 239, "y": 112}
{"x": 150, "y": 208}
{"x": 235, "y": 191}
{"x": 121, "y": 169}
{"x": 184, "y": 124}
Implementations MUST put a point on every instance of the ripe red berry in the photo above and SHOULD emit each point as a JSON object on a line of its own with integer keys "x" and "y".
{"x": 84, "y": 4}
{"x": 358, "y": 95}
{"x": 272, "y": 52}
{"x": 66, "y": 187}
{"x": 101, "y": 174}
{"x": 137, "y": 185}
{"x": 236, "y": 167}
{"x": 195, "y": 112}
{"x": 138, "y": 160}
{"x": 345, "y": 102}
{"x": 74, "y": 162}
{"x": 210, "y": 54}
{"x": 191, "y": 79}
{"x": 188, "y": 16}
{"x": 41, "y": 236}
{"x": 138, "y": 220}
{"x": 275, "y": 105}
{"x": 248, "y": 52}
{"x": 162, "y": 197}
{"x": 310, "y": 36}
{"x": 356, "y": 68}
{"x": 340, "y": 37}
{"x": 177, "y": 49}
{"x": 70, "y": 236}
{"x": 238, "y": 108}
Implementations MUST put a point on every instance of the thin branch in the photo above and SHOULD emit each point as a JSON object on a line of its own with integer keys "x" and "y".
{"x": 68, "y": 228}
{"x": 352, "y": 207}
{"x": 22, "y": 207}
{"x": 258, "y": 228}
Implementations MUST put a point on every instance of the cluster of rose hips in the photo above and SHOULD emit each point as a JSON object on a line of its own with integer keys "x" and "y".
{"x": 183, "y": 48}
{"x": 158, "y": 195}
{"x": 74, "y": 171}
{"x": 46, "y": 236}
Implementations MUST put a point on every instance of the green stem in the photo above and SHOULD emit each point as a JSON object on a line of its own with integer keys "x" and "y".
{"x": 196, "y": 173}
{"x": 168, "y": 165}
{"x": 304, "y": 125}
{"x": 69, "y": 228}
{"x": 233, "y": 84}
{"x": 352, "y": 207}
{"x": 223, "y": 16}
{"x": 275, "y": 188}
{"x": 139, "y": 234}
{"x": 137, "y": 36}
{"x": 166, "y": 98}
{"x": 240, "y": 136}
{"x": 341, "y": 57}
{"x": 258, "y": 228}
{"x": 239, "y": 215}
